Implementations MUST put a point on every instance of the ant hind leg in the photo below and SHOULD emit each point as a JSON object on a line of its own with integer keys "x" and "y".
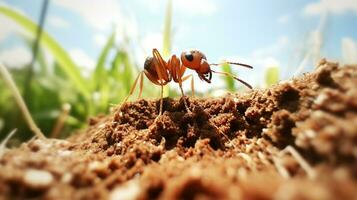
{"x": 161, "y": 99}
{"x": 161, "y": 103}
{"x": 134, "y": 86}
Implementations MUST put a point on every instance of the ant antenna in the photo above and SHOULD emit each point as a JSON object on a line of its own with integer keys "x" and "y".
{"x": 234, "y": 77}
{"x": 233, "y": 63}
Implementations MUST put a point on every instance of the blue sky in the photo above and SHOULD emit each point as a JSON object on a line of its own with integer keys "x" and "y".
{"x": 290, "y": 34}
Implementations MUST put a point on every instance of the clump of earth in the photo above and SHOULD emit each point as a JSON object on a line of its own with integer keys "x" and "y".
{"x": 294, "y": 140}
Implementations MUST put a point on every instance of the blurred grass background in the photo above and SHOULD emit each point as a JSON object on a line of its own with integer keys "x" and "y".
{"x": 61, "y": 98}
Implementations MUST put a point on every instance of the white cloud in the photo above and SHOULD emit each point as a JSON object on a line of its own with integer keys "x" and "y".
{"x": 15, "y": 57}
{"x": 284, "y": 19}
{"x": 8, "y": 27}
{"x": 100, "y": 14}
{"x": 270, "y": 62}
{"x": 275, "y": 48}
{"x": 349, "y": 51}
{"x": 263, "y": 58}
{"x": 103, "y": 16}
{"x": 58, "y": 22}
{"x": 331, "y": 6}
{"x": 82, "y": 59}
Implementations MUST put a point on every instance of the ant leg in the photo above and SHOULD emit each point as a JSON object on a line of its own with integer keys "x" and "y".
{"x": 163, "y": 73}
{"x": 161, "y": 99}
{"x": 177, "y": 71}
{"x": 141, "y": 85}
{"x": 133, "y": 87}
{"x": 184, "y": 101}
{"x": 160, "y": 66}
{"x": 180, "y": 85}
{"x": 192, "y": 86}
{"x": 155, "y": 81}
{"x": 161, "y": 102}
{"x": 192, "y": 83}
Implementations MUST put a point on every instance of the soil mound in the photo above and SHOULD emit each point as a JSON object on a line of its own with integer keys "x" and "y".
{"x": 295, "y": 140}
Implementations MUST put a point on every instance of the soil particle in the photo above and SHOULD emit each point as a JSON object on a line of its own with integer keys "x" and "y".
{"x": 280, "y": 128}
{"x": 295, "y": 140}
{"x": 323, "y": 75}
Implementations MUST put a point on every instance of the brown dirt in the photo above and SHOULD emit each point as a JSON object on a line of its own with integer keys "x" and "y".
{"x": 295, "y": 140}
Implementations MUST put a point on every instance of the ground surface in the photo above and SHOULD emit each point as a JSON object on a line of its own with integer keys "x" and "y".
{"x": 295, "y": 140}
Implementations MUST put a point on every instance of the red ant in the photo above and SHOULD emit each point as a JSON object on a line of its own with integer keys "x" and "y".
{"x": 160, "y": 72}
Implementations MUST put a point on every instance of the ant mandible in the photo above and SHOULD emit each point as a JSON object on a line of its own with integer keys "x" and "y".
{"x": 160, "y": 72}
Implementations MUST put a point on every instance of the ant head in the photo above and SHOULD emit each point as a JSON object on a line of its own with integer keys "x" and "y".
{"x": 192, "y": 59}
{"x": 196, "y": 60}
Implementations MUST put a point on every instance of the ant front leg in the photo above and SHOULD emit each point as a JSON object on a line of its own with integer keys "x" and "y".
{"x": 192, "y": 88}
{"x": 183, "y": 95}
{"x": 192, "y": 83}
{"x": 161, "y": 99}
{"x": 177, "y": 71}
{"x": 140, "y": 76}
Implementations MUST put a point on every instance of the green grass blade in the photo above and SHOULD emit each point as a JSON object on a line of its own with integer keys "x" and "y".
{"x": 101, "y": 78}
{"x": 228, "y": 81}
{"x": 99, "y": 73}
{"x": 166, "y": 49}
{"x": 5, "y": 141}
{"x": 129, "y": 71}
{"x": 42, "y": 62}
{"x": 272, "y": 75}
{"x": 123, "y": 72}
{"x": 61, "y": 56}
{"x": 167, "y": 39}
{"x": 20, "y": 102}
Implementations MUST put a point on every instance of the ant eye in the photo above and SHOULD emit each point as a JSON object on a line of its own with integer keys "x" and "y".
{"x": 189, "y": 57}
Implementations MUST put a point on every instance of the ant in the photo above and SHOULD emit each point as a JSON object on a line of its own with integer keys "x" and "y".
{"x": 160, "y": 72}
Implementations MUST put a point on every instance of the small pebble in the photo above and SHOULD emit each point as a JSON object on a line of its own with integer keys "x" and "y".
{"x": 38, "y": 178}
{"x": 129, "y": 190}
{"x": 67, "y": 177}
{"x": 64, "y": 153}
